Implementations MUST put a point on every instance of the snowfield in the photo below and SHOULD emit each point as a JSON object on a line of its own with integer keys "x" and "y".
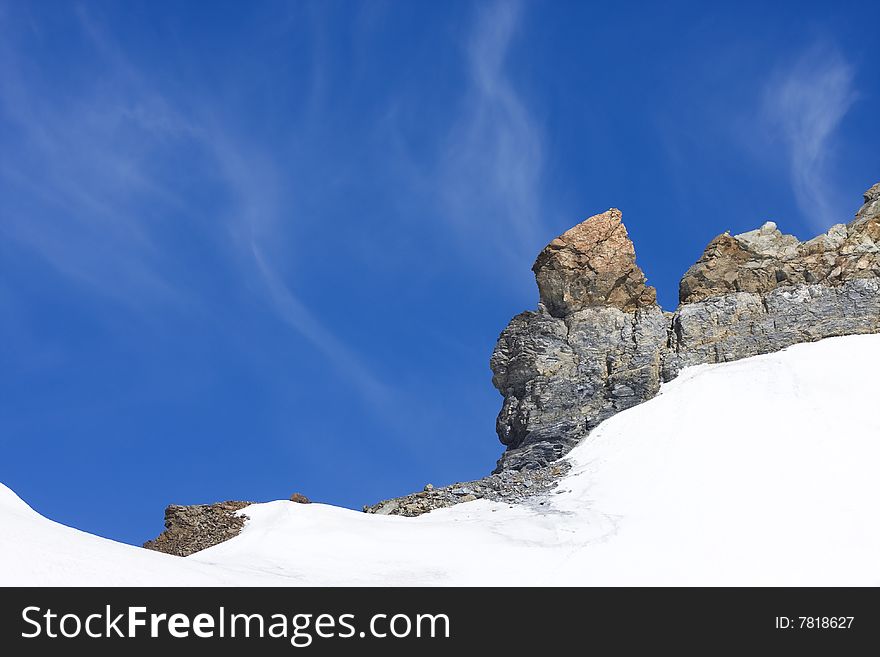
{"x": 758, "y": 472}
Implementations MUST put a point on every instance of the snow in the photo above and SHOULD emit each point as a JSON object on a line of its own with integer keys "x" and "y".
{"x": 758, "y": 472}
{"x": 35, "y": 551}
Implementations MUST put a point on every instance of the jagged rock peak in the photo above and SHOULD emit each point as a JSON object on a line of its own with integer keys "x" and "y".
{"x": 592, "y": 264}
{"x": 871, "y": 208}
{"x": 762, "y": 260}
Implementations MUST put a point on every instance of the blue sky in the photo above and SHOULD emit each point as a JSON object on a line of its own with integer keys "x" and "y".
{"x": 267, "y": 247}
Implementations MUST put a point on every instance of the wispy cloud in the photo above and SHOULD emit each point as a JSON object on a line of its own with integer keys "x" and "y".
{"x": 98, "y": 193}
{"x": 257, "y": 229}
{"x": 805, "y": 102}
{"x": 79, "y": 162}
{"x": 301, "y": 318}
{"x": 93, "y": 173}
{"x": 492, "y": 166}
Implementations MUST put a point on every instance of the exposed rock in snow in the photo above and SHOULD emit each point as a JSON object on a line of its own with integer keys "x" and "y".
{"x": 507, "y": 486}
{"x": 190, "y": 529}
{"x": 598, "y": 343}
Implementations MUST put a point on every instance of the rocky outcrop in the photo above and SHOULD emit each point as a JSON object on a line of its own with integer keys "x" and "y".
{"x": 763, "y": 260}
{"x": 190, "y": 529}
{"x": 763, "y": 291}
{"x": 508, "y": 486}
{"x": 742, "y": 324}
{"x": 592, "y": 348}
{"x": 601, "y": 246}
{"x": 598, "y": 343}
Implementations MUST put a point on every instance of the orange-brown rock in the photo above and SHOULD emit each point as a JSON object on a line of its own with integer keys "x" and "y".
{"x": 592, "y": 264}
{"x": 765, "y": 259}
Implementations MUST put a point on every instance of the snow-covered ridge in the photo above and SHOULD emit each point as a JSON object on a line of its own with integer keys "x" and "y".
{"x": 761, "y": 471}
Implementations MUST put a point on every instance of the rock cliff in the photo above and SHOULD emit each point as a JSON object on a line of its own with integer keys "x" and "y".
{"x": 599, "y": 343}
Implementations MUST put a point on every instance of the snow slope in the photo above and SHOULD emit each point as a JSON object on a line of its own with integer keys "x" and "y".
{"x": 35, "y": 551}
{"x": 759, "y": 472}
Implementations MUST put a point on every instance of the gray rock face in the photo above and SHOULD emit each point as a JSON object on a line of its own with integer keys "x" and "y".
{"x": 190, "y": 529}
{"x": 743, "y": 324}
{"x": 560, "y": 377}
{"x": 599, "y": 344}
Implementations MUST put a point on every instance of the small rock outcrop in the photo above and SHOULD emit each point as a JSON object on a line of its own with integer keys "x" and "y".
{"x": 508, "y": 486}
{"x": 601, "y": 246}
{"x": 598, "y": 343}
{"x": 191, "y": 529}
{"x": 763, "y": 260}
